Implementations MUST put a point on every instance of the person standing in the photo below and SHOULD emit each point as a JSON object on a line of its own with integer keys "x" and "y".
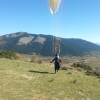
{"x": 57, "y": 62}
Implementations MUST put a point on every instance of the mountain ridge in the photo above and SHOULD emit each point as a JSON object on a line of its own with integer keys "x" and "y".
{"x": 26, "y": 43}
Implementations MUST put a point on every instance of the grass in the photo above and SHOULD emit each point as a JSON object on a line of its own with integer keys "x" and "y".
{"x": 21, "y": 80}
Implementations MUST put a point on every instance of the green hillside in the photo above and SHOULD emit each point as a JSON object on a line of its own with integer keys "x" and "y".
{"x": 21, "y": 80}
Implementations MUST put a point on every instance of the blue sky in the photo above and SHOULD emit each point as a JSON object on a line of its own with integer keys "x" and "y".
{"x": 74, "y": 18}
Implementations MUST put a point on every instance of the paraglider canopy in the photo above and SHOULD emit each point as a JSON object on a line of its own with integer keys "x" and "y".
{"x": 54, "y": 5}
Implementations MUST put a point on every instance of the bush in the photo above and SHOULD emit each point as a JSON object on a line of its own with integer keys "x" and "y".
{"x": 89, "y": 69}
{"x": 7, "y": 54}
{"x": 63, "y": 67}
{"x": 36, "y": 59}
{"x": 92, "y": 73}
{"x": 83, "y": 66}
{"x": 40, "y": 61}
{"x": 97, "y": 72}
{"x": 18, "y": 57}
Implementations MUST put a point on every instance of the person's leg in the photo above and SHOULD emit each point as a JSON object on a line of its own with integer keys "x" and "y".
{"x": 55, "y": 70}
{"x": 58, "y": 67}
{"x": 55, "y": 67}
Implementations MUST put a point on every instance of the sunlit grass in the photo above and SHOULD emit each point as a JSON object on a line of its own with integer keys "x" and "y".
{"x": 20, "y": 80}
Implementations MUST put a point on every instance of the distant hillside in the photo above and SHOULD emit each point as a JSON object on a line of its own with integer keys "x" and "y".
{"x": 23, "y": 42}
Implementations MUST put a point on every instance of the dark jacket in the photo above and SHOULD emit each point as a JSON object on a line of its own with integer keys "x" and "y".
{"x": 57, "y": 62}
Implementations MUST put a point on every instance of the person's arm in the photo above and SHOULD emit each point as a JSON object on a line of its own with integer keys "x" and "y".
{"x": 60, "y": 61}
{"x": 52, "y": 60}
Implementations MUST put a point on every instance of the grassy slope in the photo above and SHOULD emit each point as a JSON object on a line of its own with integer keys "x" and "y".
{"x": 20, "y": 80}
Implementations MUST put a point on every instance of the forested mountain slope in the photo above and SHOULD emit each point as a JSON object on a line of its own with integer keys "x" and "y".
{"x": 26, "y": 43}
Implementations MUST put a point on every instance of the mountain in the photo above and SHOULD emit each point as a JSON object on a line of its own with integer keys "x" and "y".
{"x": 26, "y": 43}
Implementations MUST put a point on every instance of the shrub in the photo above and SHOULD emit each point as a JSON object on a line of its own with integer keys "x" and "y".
{"x": 18, "y": 56}
{"x": 79, "y": 69}
{"x": 7, "y": 54}
{"x": 40, "y": 61}
{"x": 89, "y": 69}
{"x": 90, "y": 72}
{"x": 36, "y": 59}
{"x": 97, "y": 72}
{"x": 64, "y": 68}
{"x": 81, "y": 65}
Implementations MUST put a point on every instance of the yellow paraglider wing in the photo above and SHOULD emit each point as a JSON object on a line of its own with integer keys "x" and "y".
{"x": 54, "y": 5}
